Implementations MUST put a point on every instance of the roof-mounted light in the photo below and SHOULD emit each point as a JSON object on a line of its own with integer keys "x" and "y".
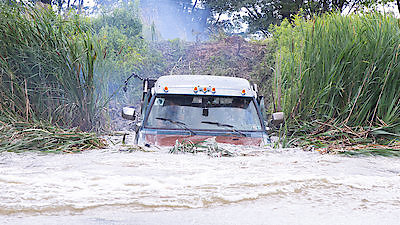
{"x": 195, "y": 89}
{"x": 213, "y": 90}
{"x": 165, "y": 89}
{"x": 243, "y": 91}
{"x": 205, "y": 89}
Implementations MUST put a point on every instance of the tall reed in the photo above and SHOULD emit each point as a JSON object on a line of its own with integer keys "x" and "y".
{"x": 341, "y": 71}
{"x": 47, "y": 67}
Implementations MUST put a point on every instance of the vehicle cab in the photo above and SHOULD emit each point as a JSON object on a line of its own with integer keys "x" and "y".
{"x": 199, "y": 107}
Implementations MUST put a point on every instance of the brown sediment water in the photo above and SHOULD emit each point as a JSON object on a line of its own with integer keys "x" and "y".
{"x": 272, "y": 186}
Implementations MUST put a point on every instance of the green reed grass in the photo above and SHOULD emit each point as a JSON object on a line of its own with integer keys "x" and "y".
{"x": 47, "y": 67}
{"x": 341, "y": 72}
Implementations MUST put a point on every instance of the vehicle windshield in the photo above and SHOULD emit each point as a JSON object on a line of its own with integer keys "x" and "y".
{"x": 204, "y": 113}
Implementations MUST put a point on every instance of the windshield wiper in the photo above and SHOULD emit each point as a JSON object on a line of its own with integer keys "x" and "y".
{"x": 179, "y": 123}
{"x": 232, "y": 128}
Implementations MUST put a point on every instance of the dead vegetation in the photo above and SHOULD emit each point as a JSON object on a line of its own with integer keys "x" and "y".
{"x": 227, "y": 56}
{"x": 335, "y": 139}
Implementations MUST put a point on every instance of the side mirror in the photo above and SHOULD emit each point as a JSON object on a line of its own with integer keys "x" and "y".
{"x": 277, "y": 118}
{"x": 128, "y": 113}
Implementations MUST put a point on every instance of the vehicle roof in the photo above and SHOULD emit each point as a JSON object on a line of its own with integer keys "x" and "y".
{"x": 184, "y": 84}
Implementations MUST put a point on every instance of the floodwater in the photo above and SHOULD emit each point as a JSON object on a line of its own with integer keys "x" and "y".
{"x": 263, "y": 186}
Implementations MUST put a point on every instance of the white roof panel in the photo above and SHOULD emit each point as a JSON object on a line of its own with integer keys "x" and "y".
{"x": 184, "y": 84}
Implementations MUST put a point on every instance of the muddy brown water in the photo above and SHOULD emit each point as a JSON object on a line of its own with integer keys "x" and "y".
{"x": 266, "y": 186}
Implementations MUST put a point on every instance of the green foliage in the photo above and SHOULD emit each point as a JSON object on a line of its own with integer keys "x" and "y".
{"x": 125, "y": 18}
{"x": 47, "y": 67}
{"x": 260, "y": 14}
{"x": 124, "y": 51}
{"x": 340, "y": 71}
{"x": 183, "y": 19}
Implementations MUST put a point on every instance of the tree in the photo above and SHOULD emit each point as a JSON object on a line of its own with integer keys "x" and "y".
{"x": 63, "y": 4}
{"x": 176, "y": 18}
{"x": 125, "y": 18}
{"x": 259, "y": 14}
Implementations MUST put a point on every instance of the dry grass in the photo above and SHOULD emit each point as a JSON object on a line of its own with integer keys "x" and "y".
{"x": 19, "y": 136}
